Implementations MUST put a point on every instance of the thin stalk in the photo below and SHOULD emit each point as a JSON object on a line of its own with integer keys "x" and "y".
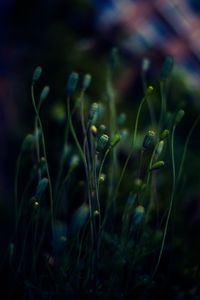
{"x": 171, "y": 201}
{"x": 45, "y": 156}
{"x": 83, "y": 159}
{"x": 112, "y": 109}
{"x": 132, "y": 145}
{"x": 150, "y": 107}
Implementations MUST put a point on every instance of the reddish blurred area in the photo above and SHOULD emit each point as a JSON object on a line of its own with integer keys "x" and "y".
{"x": 169, "y": 27}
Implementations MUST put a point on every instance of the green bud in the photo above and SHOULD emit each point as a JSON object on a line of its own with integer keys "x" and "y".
{"x": 72, "y": 83}
{"x": 149, "y": 139}
{"x": 164, "y": 134}
{"x": 74, "y": 161}
{"x": 86, "y": 81}
{"x": 102, "y": 177}
{"x": 36, "y": 74}
{"x": 44, "y": 93}
{"x": 137, "y": 184}
{"x": 149, "y": 90}
{"x": 121, "y": 119}
{"x": 159, "y": 164}
{"x": 96, "y": 213}
{"x": 179, "y": 116}
{"x": 167, "y": 67}
{"x": 115, "y": 140}
{"x": 27, "y": 143}
{"x": 93, "y": 113}
{"x": 138, "y": 214}
{"x": 102, "y": 129}
{"x": 102, "y": 142}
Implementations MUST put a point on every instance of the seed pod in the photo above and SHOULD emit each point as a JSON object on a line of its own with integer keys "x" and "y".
{"x": 44, "y": 93}
{"x": 179, "y": 116}
{"x": 86, "y": 82}
{"x": 138, "y": 215}
{"x": 167, "y": 67}
{"x": 41, "y": 187}
{"x": 102, "y": 177}
{"x": 124, "y": 134}
{"x": 36, "y": 204}
{"x": 74, "y": 161}
{"x": 149, "y": 90}
{"x": 102, "y": 129}
{"x": 96, "y": 213}
{"x": 93, "y": 129}
{"x": 137, "y": 184}
{"x": 159, "y": 164}
{"x": 159, "y": 148}
{"x": 27, "y": 143}
{"x": 102, "y": 142}
{"x": 149, "y": 139}
{"x": 121, "y": 119}
{"x": 36, "y": 74}
{"x": 115, "y": 140}
{"x": 164, "y": 134}
{"x": 79, "y": 218}
{"x": 145, "y": 64}
{"x": 93, "y": 113}
{"x": 72, "y": 83}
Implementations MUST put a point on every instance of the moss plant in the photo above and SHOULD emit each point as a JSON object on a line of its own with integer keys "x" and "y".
{"x": 80, "y": 233}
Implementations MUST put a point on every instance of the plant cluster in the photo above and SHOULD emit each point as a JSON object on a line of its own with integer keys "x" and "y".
{"x": 87, "y": 233}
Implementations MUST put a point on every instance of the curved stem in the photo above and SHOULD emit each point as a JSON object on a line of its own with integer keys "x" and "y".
{"x": 132, "y": 144}
{"x": 45, "y": 155}
{"x": 171, "y": 201}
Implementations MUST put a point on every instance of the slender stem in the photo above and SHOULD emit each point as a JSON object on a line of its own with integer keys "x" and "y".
{"x": 171, "y": 201}
{"x": 45, "y": 155}
{"x": 150, "y": 107}
{"x": 132, "y": 145}
{"x": 113, "y": 168}
{"x": 74, "y": 134}
{"x": 83, "y": 159}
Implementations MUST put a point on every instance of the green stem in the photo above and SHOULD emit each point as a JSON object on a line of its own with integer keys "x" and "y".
{"x": 171, "y": 201}
{"x": 132, "y": 145}
{"x": 45, "y": 155}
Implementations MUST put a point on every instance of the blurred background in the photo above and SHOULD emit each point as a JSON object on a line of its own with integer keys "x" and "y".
{"x": 63, "y": 36}
{"x": 77, "y": 35}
